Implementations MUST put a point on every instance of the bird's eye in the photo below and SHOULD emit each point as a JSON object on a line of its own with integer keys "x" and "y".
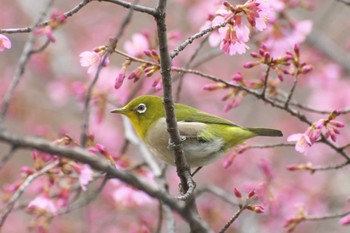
{"x": 141, "y": 108}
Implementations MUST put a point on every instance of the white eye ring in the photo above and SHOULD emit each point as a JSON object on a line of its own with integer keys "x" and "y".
{"x": 141, "y": 108}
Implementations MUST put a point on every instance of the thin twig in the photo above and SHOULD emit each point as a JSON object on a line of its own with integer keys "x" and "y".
{"x": 189, "y": 40}
{"x": 87, "y": 200}
{"x": 23, "y": 60}
{"x": 87, "y": 104}
{"x": 41, "y": 48}
{"x": 134, "y": 7}
{"x": 219, "y": 192}
{"x": 22, "y": 188}
{"x": 7, "y": 156}
{"x": 267, "y": 73}
{"x": 45, "y": 23}
{"x": 188, "y": 65}
{"x": 232, "y": 219}
{"x": 291, "y": 92}
{"x": 269, "y": 146}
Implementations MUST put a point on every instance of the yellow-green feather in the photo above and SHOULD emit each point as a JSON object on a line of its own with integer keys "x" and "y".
{"x": 217, "y": 126}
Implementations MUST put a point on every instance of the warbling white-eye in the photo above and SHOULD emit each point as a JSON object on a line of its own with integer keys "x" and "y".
{"x": 206, "y": 137}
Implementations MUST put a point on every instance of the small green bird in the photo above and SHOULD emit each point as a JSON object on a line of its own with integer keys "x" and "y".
{"x": 206, "y": 137}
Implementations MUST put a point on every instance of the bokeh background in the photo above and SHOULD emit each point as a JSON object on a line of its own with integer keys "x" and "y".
{"x": 47, "y": 104}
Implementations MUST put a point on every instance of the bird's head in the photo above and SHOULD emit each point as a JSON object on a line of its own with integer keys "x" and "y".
{"x": 142, "y": 111}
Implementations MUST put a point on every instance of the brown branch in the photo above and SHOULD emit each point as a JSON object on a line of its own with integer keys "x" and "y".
{"x": 45, "y": 23}
{"x": 101, "y": 164}
{"x": 183, "y": 169}
{"x": 134, "y": 7}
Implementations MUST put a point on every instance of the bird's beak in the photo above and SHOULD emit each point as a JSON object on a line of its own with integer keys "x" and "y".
{"x": 120, "y": 111}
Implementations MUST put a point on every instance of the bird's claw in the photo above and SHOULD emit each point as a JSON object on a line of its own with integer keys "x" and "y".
{"x": 171, "y": 144}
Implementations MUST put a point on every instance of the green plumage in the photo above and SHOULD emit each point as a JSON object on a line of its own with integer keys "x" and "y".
{"x": 207, "y": 137}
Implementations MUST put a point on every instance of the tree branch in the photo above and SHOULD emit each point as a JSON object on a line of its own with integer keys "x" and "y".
{"x": 183, "y": 169}
{"x": 101, "y": 164}
{"x": 29, "y": 29}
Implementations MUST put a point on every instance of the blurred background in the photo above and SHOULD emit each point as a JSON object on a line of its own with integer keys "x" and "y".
{"x": 48, "y": 103}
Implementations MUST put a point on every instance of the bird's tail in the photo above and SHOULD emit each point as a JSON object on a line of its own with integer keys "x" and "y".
{"x": 266, "y": 132}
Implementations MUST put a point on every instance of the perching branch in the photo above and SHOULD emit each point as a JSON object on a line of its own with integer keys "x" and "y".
{"x": 101, "y": 164}
{"x": 183, "y": 169}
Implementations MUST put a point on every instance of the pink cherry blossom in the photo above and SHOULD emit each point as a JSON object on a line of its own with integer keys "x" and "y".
{"x": 45, "y": 31}
{"x": 92, "y": 59}
{"x": 303, "y": 142}
{"x": 137, "y": 45}
{"x": 231, "y": 44}
{"x": 128, "y": 196}
{"x": 85, "y": 176}
{"x": 43, "y": 203}
{"x": 282, "y": 38}
{"x": 5, "y": 43}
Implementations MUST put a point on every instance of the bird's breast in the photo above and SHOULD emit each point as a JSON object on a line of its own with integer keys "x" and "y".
{"x": 198, "y": 152}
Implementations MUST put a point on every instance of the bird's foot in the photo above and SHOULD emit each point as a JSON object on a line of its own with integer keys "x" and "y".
{"x": 171, "y": 144}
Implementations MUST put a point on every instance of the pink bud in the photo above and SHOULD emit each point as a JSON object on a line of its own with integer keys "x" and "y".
{"x": 256, "y": 208}
{"x": 255, "y": 55}
{"x": 293, "y": 167}
{"x": 249, "y": 65}
{"x": 280, "y": 77}
{"x": 306, "y": 69}
{"x": 120, "y": 79}
{"x": 238, "y": 77}
{"x": 27, "y": 170}
{"x": 267, "y": 57}
{"x": 213, "y": 86}
{"x": 336, "y": 123}
{"x": 237, "y": 193}
{"x": 148, "y": 53}
{"x": 297, "y": 50}
{"x": 251, "y": 194}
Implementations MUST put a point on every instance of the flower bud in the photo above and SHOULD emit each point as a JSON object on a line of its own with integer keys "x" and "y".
{"x": 237, "y": 193}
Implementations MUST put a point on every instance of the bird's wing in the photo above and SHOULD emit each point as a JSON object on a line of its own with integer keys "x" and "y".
{"x": 188, "y": 114}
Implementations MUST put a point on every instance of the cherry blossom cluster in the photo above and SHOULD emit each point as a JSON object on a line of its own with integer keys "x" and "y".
{"x": 246, "y": 202}
{"x": 237, "y": 19}
{"x": 138, "y": 47}
{"x": 289, "y": 64}
{"x": 327, "y": 127}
